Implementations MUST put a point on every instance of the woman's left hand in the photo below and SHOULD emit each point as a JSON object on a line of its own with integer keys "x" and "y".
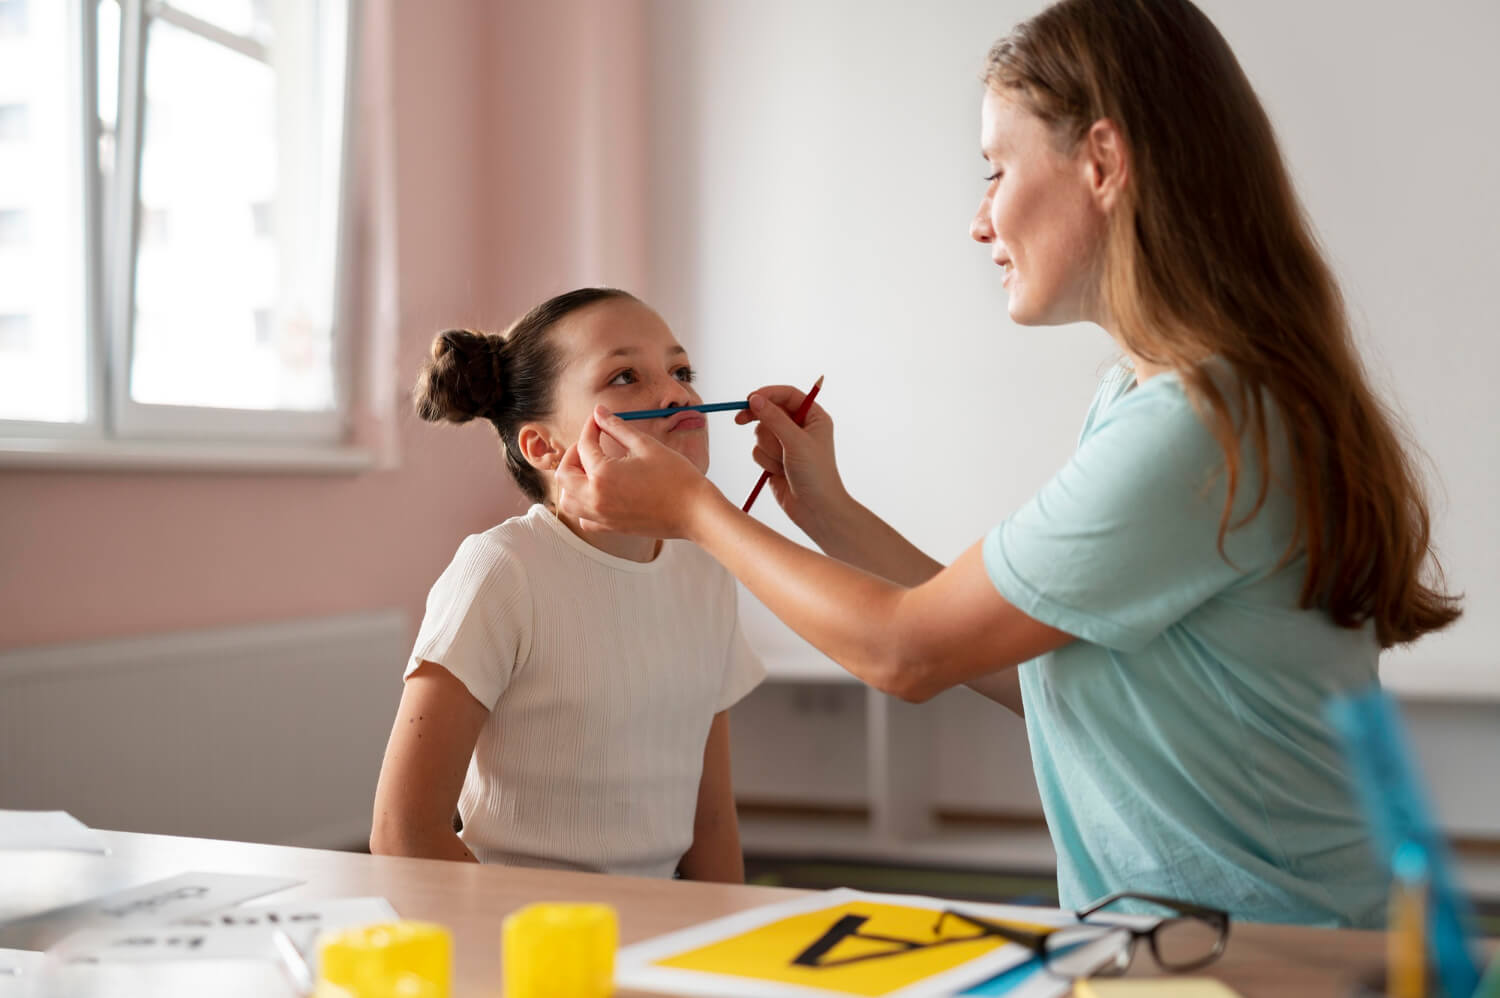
{"x": 616, "y": 478}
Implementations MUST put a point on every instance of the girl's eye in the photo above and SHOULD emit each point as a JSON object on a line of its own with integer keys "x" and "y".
{"x": 625, "y": 377}
{"x": 686, "y": 375}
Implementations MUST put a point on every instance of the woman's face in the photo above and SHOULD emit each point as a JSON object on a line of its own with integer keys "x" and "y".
{"x": 621, "y": 355}
{"x": 1039, "y": 217}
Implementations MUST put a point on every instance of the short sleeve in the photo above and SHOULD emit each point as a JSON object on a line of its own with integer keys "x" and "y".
{"x": 478, "y": 619}
{"x": 743, "y": 670}
{"x": 1123, "y": 541}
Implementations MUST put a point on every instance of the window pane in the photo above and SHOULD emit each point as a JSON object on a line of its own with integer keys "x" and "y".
{"x": 251, "y": 18}
{"x": 108, "y": 86}
{"x": 43, "y": 337}
{"x": 215, "y": 323}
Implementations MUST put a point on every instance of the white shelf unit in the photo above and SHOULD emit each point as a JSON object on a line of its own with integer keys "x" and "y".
{"x": 815, "y": 739}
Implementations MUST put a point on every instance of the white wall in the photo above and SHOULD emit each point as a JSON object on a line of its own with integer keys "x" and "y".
{"x": 815, "y": 169}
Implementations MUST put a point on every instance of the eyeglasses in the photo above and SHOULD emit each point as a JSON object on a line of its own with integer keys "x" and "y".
{"x": 1186, "y": 940}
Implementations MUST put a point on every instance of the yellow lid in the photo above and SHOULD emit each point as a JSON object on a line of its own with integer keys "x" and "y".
{"x": 559, "y": 951}
{"x": 388, "y": 960}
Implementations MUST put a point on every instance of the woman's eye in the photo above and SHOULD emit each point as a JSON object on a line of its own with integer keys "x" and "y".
{"x": 625, "y": 377}
{"x": 686, "y": 375}
{"x": 994, "y": 176}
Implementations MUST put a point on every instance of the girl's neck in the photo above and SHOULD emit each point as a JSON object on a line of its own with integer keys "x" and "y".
{"x": 631, "y": 547}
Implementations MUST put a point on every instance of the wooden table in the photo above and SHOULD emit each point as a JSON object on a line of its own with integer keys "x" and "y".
{"x": 1262, "y": 961}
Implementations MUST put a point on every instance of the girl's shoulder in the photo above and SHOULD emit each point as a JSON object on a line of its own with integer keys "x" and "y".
{"x": 523, "y": 529}
{"x": 505, "y": 547}
{"x": 687, "y": 558}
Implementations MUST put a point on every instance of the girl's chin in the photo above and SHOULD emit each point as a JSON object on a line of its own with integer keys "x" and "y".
{"x": 695, "y": 451}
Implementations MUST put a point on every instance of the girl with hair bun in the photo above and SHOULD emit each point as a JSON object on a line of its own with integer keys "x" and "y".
{"x": 568, "y": 690}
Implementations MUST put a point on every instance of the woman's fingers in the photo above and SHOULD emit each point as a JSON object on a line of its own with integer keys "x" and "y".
{"x": 611, "y": 425}
{"x": 774, "y": 418}
{"x": 768, "y": 461}
{"x": 786, "y": 397}
{"x": 767, "y": 441}
{"x": 590, "y": 452}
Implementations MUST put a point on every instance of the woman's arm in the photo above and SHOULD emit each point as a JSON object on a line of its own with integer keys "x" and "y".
{"x": 428, "y": 754}
{"x": 805, "y": 480}
{"x": 715, "y": 853}
{"x": 910, "y": 642}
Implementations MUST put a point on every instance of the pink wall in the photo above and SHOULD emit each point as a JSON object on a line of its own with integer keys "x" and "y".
{"x": 518, "y": 173}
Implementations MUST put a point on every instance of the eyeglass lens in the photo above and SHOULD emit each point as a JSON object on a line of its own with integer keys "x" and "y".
{"x": 1183, "y": 942}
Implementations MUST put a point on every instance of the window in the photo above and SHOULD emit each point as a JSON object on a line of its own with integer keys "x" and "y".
{"x": 171, "y": 190}
{"x": 13, "y": 227}
{"x": 15, "y": 332}
{"x": 13, "y": 122}
{"x": 12, "y": 17}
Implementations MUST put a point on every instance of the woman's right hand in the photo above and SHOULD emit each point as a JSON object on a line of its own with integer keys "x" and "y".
{"x": 800, "y": 459}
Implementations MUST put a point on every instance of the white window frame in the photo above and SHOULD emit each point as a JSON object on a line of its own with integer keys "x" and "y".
{"x": 119, "y": 432}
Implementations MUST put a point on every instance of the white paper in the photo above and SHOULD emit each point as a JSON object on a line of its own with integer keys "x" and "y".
{"x": 19, "y": 962}
{"x": 192, "y": 979}
{"x": 29, "y": 831}
{"x": 239, "y": 933}
{"x": 635, "y": 965}
{"x": 21, "y": 973}
{"x": 147, "y": 905}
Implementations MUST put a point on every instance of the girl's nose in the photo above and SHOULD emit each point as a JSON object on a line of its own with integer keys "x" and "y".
{"x": 677, "y": 393}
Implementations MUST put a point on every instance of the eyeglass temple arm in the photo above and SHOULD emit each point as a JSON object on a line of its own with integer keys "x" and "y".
{"x": 1015, "y": 935}
{"x": 1186, "y": 907}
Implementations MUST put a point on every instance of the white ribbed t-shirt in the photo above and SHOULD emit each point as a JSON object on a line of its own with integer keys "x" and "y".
{"x": 601, "y": 676}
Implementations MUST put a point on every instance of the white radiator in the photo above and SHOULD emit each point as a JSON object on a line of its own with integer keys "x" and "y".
{"x": 271, "y": 733}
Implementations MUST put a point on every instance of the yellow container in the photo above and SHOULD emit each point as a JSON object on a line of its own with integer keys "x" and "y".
{"x": 559, "y": 951}
{"x": 388, "y": 960}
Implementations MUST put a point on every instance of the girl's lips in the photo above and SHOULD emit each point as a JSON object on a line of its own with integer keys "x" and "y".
{"x": 687, "y": 421}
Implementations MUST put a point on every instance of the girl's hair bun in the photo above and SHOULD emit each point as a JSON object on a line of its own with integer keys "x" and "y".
{"x": 462, "y": 378}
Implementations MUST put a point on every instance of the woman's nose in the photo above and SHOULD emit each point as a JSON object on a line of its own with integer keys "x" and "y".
{"x": 980, "y": 229}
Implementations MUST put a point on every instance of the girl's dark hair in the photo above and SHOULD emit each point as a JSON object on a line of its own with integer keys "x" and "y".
{"x": 506, "y": 378}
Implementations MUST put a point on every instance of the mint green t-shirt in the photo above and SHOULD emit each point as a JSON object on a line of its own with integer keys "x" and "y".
{"x": 1179, "y": 743}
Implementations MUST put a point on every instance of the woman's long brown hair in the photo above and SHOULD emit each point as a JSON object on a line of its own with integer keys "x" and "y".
{"x": 1208, "y": 255}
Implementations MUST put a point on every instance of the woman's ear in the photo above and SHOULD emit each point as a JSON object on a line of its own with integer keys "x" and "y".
{"x": 1108, "y": 162}
{"x": 538, "y": 448}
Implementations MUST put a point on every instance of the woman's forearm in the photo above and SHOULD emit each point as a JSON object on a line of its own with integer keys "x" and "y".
{"x": 912, "y": 642}
{"x": 853, "y": 534}
{"x": 843, "y": 610}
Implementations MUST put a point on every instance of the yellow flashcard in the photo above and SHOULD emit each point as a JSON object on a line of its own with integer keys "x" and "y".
{"x": 859, "y": 948}
{"x": 843, "y": 943}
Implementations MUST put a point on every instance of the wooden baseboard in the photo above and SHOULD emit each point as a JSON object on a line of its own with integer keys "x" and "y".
{"x": 1009, "y": 820}
{"x": 764, "y": 808}
{"x": 953, "y": 817}
{"x": 1476, "y": 847}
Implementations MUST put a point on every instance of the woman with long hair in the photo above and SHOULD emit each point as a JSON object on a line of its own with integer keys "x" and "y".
{"x": 1237, "y": 537}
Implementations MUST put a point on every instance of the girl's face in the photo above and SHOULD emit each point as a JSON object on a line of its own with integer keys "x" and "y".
{"x": 621, "y": 355}
{"x": 1039, "y": 217}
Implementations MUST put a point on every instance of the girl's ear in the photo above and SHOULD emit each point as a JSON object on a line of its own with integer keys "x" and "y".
{"x": 1107, "y": 162}
{"x": 538, "y": 448}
